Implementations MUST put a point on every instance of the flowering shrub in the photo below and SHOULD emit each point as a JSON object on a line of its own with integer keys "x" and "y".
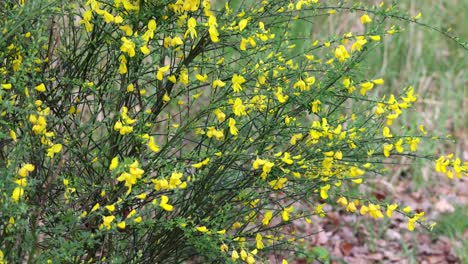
{"x": 163, "y": 131}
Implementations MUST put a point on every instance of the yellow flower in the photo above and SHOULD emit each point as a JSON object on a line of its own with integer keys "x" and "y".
{"x": 399, "y": 146}
{"x": 172, "y": 79}
{"x": 243, "y": 254}
{"x": 183, "y": 76}
{"x": 224, "y": 248}
{"x": 413, "y": 143}
{"x": 162, "y": 71}
{"x": 259, "y": 242}
{"x": 18, "y": 192}
{"x": 202, "y": 229}
{"x": 386, "y": 149}
{"x": 266, "y": 169}
{"x": 56, "y": 148}
{"x": 238, "y": 108}
{"x": 114, "y": 163}
{"x": 132, "y": 213}
{"x": 316, "y": 106}
{"x": 107, "y": 220}
{"x": 364, "y": 210}
{"x": 129, "y": 179}
{"x": 218, "y": 83}
{"x": 220, "y": 115}
{"x": 87, "y": 15}
{"x": 232, "y": 127}
{"x": 26, "y": 169}
{"x": 130, "y": 88}
{"x": 212, "y": 30}
{"x": 237, "y": 225}
{"x": 302, "y": 85}
{"x": 407, "y": 209}
{"x": 341, "y": 53}
{"x": 40, "y": 88}
{"x": 166, "y": 98}
{"x": 237, "y": 81}
{"x": 365, "y": 19}
{"x": 145, "y": 50}
{"x": 278, "y": 184}
{"x": 243, "y": 24}
{"x": 280, "y": 97}
{"x": 121, "y": 225}
{"x": 351, "y": 207}
{"x": 152, "y": 146}
{"x": 295, "y": 138}
{"x": 191, "y": 24}
{"x": 390, "y": 209}
{"x": 324, "y": 191}
{"x": 6, "y": 86}
{"x": 141, "y": 196}
{"x": 108, "y": 17}
{"x": 152, "y": 25}
{"x": 360, "y": 42}
{"x": 202, "y": 78}
{"x": 118, "y": 19}
{"x": 110, "y": 207}
{"x": 375, "y": 38}
{"x": 386, "y": 132}
{"x": 174, "y": 180}
{"x": 128, "y": 47}
{"x": 285, "y": 213}
{"x": 365, "y": 87}
{"x": 287, "y": 158}
{"x": 342, "y": 201}
{"x": 164, "y": 205}
{"x": 378, "y": 81}
{"x": 201, "y": 164}
{"x": 267, "y": 218}
{"x": 95, "y": 207}
{"x": 374, "y": 211}
{"x": 123, "y": 64}
{"x": 413, "y": 220}
{"x": 319, "y": 210}
{"x": 234, "y": 255}
{"x": 13, "y": 135}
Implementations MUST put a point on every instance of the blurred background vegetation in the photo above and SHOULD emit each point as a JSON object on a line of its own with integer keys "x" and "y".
{"x": 435, "y": 65}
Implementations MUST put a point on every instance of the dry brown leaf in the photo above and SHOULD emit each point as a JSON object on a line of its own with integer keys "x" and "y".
{"x": 346, "y": 248}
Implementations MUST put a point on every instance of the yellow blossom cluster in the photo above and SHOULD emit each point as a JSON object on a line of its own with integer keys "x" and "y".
{"x": 124, "y": 125}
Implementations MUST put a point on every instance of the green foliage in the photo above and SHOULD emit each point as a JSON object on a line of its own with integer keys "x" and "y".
{"x": 167, "y": 131}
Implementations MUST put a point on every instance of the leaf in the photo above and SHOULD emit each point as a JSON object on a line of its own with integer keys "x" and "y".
{"x": 346, "y": 248}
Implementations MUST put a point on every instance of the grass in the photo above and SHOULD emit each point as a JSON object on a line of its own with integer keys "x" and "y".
{"x": 454, "y": 226}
